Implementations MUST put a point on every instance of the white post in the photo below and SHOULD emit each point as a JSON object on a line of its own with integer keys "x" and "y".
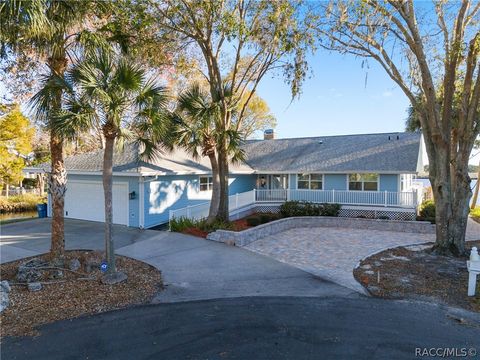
{"x": 386, "y": 198}
{"x": 288, "y": 194}
{"x": 333, "y": 195}
{"x": 236, "y": 201}
{"x": 472, "y": 282}
{"x": 415, "y": 198}
{"x": 254, "y": 196}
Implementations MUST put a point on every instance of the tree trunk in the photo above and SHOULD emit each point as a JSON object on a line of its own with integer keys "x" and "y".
{"x": 223, "y": 211}
{"x": 58, "y": 187}
{"x": 215, "y": 201}
{"x": 41, "y": 184}
{"x": 107, "y": 189}
{"x": 477, "y": 187}
{"x": 58, "y": 174}
{"x": 451, "y": 204}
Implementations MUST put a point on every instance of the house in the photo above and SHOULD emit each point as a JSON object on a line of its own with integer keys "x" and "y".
{"x": 365, "y": 173}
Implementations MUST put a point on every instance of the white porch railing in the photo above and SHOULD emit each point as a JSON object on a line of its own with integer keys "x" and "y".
{"x": 242, "y": 201}
{"x": 368, "y": 198}
{"x": 200, "y": 211}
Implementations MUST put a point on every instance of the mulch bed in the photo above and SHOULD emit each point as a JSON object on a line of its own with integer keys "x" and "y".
{"x": 71, "y": 297}
{"x": 237, "y": 225}
{"x": 415, "y": 272}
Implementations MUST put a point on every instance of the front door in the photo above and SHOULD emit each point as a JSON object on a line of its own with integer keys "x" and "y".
{"x": 272, "y": 182}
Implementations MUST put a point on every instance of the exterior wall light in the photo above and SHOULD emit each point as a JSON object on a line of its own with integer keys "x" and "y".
{"x": 132, "y": 195}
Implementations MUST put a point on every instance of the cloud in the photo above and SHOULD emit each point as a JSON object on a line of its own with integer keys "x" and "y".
{"x": 387, "y": 93}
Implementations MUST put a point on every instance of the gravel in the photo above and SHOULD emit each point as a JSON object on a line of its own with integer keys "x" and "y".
{"x": 413, "y": 273}
{"x": 75, "y": 294}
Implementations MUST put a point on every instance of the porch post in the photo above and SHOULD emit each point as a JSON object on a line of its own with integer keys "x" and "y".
{"x": 254, "y": 196}
{"x": 333, "y": 195}
{"x": 236, "y": 201}
{"x": 288, "y": 194}
{"x": 386, "y": 193}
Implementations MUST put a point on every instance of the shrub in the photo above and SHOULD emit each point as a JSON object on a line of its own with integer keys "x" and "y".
{"x": 253, "y": 221}
{"x": 182, "y": 224}
{"x": 331, "y": 210}
{"x": 265, "y": 218}
{"x": 427, "y": 209}
{"x": 297, "y": 208}
{"x": 18, "y": 203}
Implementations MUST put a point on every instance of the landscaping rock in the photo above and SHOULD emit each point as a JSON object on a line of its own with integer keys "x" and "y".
{"x": 366, "y": 267}
{"x": 114, "y": 278}
{"x": 28, "y": 274}
{"x": 56, "y": 274}
{"x": 34, "y": 286}
{"x": 74, "y": 265}
{"x": 91, "y": 265}
{"x": 4, "y": 299}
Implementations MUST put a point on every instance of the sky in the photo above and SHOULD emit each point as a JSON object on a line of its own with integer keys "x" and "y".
{"x": 341, "y": 97}
{"x": 337, "y": 100}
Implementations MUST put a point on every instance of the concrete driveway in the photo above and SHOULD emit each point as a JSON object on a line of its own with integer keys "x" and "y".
{"x": 192, "y": 268}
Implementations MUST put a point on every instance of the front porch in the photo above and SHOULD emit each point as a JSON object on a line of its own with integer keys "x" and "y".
{"x": 342, "y": 197}
{"x": 369, "y": 204}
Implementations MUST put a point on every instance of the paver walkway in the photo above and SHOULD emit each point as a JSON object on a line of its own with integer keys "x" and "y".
{"x": 333, "y": 253}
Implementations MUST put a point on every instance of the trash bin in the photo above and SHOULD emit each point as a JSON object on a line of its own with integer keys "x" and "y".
{"x": 42, "y": 210}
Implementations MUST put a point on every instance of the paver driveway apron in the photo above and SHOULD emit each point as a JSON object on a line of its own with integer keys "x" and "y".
{"x": 333, "y": 253}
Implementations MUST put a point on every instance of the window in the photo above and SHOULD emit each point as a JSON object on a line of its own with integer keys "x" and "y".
{"x": 365, "y": 182}
{"x": 310, "y": 181}
{"x": 206, "y": 183}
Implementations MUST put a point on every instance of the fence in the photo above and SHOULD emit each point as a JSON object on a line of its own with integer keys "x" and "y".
{"x": 368, "y": 198}
{"x": 18, "y": 191}
{"x": 243, "y": 201}
{"x": 197, "y": 212}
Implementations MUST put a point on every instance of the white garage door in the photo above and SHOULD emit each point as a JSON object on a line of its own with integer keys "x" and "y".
{"x": 85, "y": 200}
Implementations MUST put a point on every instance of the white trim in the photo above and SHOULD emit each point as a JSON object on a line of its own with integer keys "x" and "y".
{"x": 363, "y": 186}
{"x": 310, "y": 180}
{"x": 141, "y": 202}
{"x": 209, "y": 188}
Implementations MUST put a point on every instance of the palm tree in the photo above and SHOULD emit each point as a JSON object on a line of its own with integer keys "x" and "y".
{"x": 197, "y": 127}
{"x": 114, "y": 92}
{"x": 51, "y": 30}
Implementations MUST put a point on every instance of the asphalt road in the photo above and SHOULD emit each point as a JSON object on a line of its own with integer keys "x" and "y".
{"x": 255, "y": 328}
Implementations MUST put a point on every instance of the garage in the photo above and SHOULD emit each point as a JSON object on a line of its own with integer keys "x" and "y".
{"x": 85, "y": 200}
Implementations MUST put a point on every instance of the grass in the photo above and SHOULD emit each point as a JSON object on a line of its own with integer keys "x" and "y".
{"x": 19, "y": 203}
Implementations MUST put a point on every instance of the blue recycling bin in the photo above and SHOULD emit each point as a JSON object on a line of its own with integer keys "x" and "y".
{"x": 42, "y": 210}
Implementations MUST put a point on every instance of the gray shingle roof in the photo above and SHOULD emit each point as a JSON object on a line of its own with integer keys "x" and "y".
{"x": 345, "y": 153}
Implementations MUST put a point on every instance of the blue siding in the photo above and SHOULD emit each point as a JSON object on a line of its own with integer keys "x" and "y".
{"x": 389, "y": 182}
{"x": 174, "y": 192}
{"x": 292, "y": 181}
{"x": 242, "y": 183}
{"x": 133, "y": 205}
{"x": 335, "y": 182}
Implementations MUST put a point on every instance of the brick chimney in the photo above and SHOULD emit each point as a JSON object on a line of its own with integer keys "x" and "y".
{"x": 268, "y": 134}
